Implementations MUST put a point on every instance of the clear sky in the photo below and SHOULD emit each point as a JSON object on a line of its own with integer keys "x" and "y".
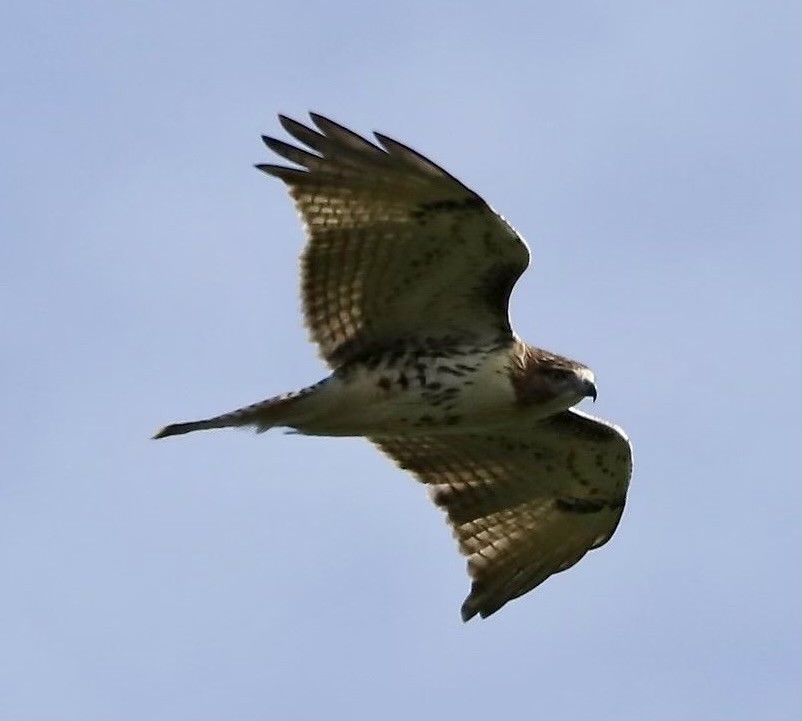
{"x": 650, "y": 154}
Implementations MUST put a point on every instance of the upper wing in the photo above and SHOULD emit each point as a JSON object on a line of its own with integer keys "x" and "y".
{"x": 398, "y": 248}
{"x": 524, "y": 502}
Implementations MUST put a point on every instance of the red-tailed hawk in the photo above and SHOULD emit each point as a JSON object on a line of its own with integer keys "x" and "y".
{"x": 406, "y": 280}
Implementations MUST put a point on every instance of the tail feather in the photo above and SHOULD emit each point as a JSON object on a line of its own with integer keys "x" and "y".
{"x": 263, "y": 415}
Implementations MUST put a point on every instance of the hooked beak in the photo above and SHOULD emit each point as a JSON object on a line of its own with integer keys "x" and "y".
{"x": 590, "y": 390}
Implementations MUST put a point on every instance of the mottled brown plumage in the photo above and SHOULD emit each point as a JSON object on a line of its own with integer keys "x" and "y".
{"x": 406, "y": 281}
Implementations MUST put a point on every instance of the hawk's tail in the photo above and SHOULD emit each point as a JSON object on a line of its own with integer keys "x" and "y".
{"x": 263, "y": 415}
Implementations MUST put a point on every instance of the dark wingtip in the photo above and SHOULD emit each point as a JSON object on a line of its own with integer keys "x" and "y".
{"x": 292, "y": 126}
{"x": 319, "y": 119}
{"x": 467, "y": 611}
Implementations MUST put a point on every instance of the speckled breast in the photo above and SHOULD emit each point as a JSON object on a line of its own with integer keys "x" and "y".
{"x": 416, "y": 390}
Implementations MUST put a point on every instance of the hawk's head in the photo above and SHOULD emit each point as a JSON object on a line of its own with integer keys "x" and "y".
{"x": 551, "y": 382}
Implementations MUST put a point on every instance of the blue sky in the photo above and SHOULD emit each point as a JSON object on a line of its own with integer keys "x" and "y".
{"x": 650, "y": 154}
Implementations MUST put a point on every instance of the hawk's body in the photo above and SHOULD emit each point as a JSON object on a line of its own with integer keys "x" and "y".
{"x": 406, "y": 282}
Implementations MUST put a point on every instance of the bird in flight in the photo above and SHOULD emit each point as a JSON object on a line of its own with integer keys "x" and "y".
{"x": 406, "y": 280}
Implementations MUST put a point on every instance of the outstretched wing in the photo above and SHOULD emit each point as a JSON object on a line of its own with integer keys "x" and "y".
{"x": 524, "y": 501}
{"x": 398, "y": 248}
